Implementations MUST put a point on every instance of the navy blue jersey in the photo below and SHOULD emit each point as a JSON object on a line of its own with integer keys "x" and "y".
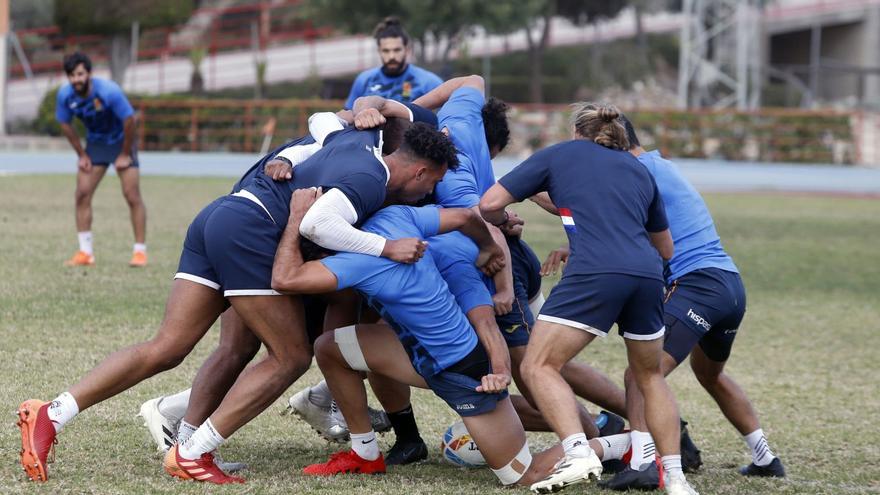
{"x": 102, "y": 111}
{"x": 351, "y": 161}
{"x": 608, "y": 203}
{"x": 258, "y": 167}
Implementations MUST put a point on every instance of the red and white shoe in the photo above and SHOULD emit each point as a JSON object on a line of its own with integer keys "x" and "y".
{"x": 346, "y": 462}
{"x": 201, "y": 469}
{"x": 37, "y": 438}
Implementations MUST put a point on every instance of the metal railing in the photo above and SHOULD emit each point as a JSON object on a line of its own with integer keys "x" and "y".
{"x": 772, "y": 135}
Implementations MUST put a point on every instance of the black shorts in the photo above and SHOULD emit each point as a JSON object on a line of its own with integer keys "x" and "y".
{"x": 103, "y": 155}
{"x": 704, "y": 306}
{"x": 517, "y": 324}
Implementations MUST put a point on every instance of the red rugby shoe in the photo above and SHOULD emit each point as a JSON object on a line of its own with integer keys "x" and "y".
{"x": 37, "y": 438}
{"x": 201, "y": 469}
{"x": 346, "y": 462}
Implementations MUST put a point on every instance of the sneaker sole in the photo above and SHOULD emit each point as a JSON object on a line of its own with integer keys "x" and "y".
{"x": 555, "y": 487}
{"x": 30, "y": 462}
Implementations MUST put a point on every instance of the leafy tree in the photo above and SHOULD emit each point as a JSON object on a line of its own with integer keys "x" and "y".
{"x": 114, "y": 18}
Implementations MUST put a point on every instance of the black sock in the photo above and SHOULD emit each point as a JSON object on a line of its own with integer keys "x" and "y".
{"x": 404, "y": 424}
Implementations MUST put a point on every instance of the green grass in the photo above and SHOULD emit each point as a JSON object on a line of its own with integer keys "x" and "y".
{"x": 806, "y": 352}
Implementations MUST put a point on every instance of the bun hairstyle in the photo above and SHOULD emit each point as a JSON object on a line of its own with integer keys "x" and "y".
{"x": 599, "y": 122}
{"x": 390, "y": 27}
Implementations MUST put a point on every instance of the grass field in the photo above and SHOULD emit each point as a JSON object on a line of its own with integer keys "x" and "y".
{"x": 806, "y": 353}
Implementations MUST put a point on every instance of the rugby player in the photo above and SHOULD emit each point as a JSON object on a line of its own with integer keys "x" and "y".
{"x": 164, "y": 416}
{"x": 396, "y": 79}
{"x": 615, "y": 221}
{"x": 109, "y": 120}
{"x": 227, "y": 260}
{"x": 432, "y": 345}
{"x": 704, "y": 306}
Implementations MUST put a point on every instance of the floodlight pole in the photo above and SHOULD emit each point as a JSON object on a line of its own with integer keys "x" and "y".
{"x": 719, "y": 55}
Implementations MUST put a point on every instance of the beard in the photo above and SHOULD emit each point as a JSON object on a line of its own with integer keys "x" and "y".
{"x": 394, "y": 70}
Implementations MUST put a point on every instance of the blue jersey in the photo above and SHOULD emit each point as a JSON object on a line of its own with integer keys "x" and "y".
{"x": 608, "y": 203}
{"x": 455, "y": 255}
{"x": 697, "y": 244}
{"x": 351, "y": 161}
{"x": 463, "y": 116}
{"x": 102, "y": 111}
{"x": 413, "y": 298}
{"x": 259, "y": 167}
{"x": 412, "y": 83}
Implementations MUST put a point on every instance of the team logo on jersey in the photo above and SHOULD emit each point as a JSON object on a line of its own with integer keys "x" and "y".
{"x": 406, "y": 92}
{"x": 375, "y": 87}
{"x": 567, "y": 220}
{"x": 699, "y": 320}
{"x": 98, "y": 105}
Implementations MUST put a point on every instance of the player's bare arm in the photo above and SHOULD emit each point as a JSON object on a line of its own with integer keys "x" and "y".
{"x": 662, "y": 241}
{"x": 492, "y": 206}
{"x": 84, "y": 162}
{"x": 290, "y": 274}
{"x": 543, "y": 200}
{"x": 440, "y": 95}
{"x": 372, "y": 111}
{"x": 123, "y": 160}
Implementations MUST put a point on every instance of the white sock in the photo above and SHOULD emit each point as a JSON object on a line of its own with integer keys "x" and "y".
{"x": 140, "y": 247}
{"x": 185, "y": 431}
{"x": 614, "y": 446}
{"x": 320, "y": 395}
{"x": 365, "y": 445}
{"x": 576, "y": 446}
{"x": 204, "y": 440}
{"x": 761, "y": 453}
{"x": 643, "y": 449}
{"x": 672, "y": 466}
{"x": 173, "y": 407}
{"x": 85, "y": 242}
{"x": 62, "y": 409}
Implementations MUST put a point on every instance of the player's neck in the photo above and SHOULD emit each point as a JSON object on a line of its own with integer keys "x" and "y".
{"x": 86, "y": 89}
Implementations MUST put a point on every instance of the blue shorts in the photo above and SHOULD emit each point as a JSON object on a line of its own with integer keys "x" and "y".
{"x": 457, "y": 385}
{"x": 230, "y": 247}
{"x": 104, "y": 154}
{"x": 517, "y": 325}
{"x": 595, "y": 302}
{"x": 704, "y": 306}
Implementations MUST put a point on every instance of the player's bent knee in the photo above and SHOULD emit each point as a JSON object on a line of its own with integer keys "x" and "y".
{"x": 514, "y": 470}
{"x": 350, "y": 349}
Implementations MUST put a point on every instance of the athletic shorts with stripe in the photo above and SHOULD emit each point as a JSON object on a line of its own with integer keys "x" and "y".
{"x": 593, "y": 303}
{"x": 230, "y": 247}
{"x": 704, "y": 307}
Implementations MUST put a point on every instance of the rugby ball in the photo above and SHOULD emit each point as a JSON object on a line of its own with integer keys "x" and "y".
{"x": 459, "y": 448}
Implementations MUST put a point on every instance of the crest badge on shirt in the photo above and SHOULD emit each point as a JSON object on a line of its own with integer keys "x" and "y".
{"x": 406, "y": 92}
{"x": 98, "y": 105}
{"x": 567, "y": 220}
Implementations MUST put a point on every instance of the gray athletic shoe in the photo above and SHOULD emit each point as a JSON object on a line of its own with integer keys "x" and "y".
{"x": 227, "y": 466}
{"x": 569, "y": 471}
{"x": 162, "y": 429}
{"x": 379, "y": 421}
{"x": 318, "y": 417}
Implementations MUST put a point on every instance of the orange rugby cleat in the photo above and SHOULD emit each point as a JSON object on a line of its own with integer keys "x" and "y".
{"x": 138, "y": 259}
{"x": 37, "y": 438}
{"x": 80, "y": 258}
{"x": 201, "y": 469}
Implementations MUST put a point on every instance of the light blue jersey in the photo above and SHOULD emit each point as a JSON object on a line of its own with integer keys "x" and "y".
{"x": 697, "y": 244}
{"x": 102, "y": 111}
{"x": 462, "y": 114}
{"x": 413, "y": 298}
{"x": 406, "y": 87}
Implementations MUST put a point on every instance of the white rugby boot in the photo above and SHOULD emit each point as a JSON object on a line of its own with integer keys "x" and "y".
{"x": 570, "y": 471}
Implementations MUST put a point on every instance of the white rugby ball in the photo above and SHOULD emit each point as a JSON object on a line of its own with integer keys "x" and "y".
{"x": 459, "y": 448}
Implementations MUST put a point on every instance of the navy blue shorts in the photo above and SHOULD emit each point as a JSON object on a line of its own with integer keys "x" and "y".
{"x": 457, "y": 385}
{"x": 104, "y": 154}
{"x": 517, "y": 325}
{"x": 230, "y": 247}
{"x": 594, "y": 303}
{"x": 710, "y": 304}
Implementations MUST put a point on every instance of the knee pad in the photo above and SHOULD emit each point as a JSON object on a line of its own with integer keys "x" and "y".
{"x": 516, "y": 468}
{"x": 347, "y": 341}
